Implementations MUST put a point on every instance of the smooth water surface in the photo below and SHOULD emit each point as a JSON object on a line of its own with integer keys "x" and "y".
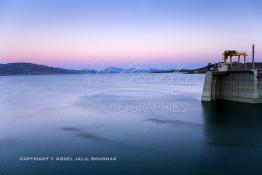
{"x": 152, "y": 124}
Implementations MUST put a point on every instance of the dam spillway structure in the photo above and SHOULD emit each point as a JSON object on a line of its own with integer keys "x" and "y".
{"x": 236, "y": 81}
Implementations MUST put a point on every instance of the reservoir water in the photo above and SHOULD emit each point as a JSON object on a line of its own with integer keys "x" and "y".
{"x": 124, "y": 124}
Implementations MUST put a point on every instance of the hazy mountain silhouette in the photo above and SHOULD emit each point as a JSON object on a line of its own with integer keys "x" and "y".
{"x": 36, "y": 69}
{"x": 33, "y": 69}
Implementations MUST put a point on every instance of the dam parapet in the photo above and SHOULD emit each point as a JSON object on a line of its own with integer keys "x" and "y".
{"x": 234, "y": 81}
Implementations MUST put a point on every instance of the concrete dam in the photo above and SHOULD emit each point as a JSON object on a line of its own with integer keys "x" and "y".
{"x": 233, "y": 82}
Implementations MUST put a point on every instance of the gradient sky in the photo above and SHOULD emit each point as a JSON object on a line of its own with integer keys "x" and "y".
{"x": 156, "y": 33}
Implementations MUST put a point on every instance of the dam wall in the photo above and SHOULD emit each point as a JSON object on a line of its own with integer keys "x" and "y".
{"x": 240, "y": 86}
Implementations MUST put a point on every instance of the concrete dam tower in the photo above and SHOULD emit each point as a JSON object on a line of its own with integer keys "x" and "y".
{"x": 235, "y": 81}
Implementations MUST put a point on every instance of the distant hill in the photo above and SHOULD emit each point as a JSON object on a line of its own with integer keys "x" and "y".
{"x": 120, "y": 70}
{"x": 33, "y": 69}
{"x": 187, "y": 71}
{"x": 36, "y": 69}
{"x": 111, "y": 70}
{"x": 204, "y": 69}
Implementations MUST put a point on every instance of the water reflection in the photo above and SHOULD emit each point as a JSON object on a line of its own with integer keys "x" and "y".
{"x": 232, "y": 123}
{"x": 177, "y": 123}
{"x": 72, "y": 129}
{"x": 6, "y": 142}
{"x": 194, "y": 138}
{"x": 87, "y": 135}
{"x": 233, "y": 138}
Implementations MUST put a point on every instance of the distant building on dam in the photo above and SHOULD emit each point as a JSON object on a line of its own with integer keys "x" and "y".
{"x": 234, "y": 81}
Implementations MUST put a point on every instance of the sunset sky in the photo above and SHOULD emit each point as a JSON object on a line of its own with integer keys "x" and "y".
{"x": 156, "y": 33}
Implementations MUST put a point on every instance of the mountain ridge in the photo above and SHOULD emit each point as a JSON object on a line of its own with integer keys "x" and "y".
{"x": 23, "y": 68}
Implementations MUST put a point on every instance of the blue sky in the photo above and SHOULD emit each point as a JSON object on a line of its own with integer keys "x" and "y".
{"x": 157, "y": 33}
